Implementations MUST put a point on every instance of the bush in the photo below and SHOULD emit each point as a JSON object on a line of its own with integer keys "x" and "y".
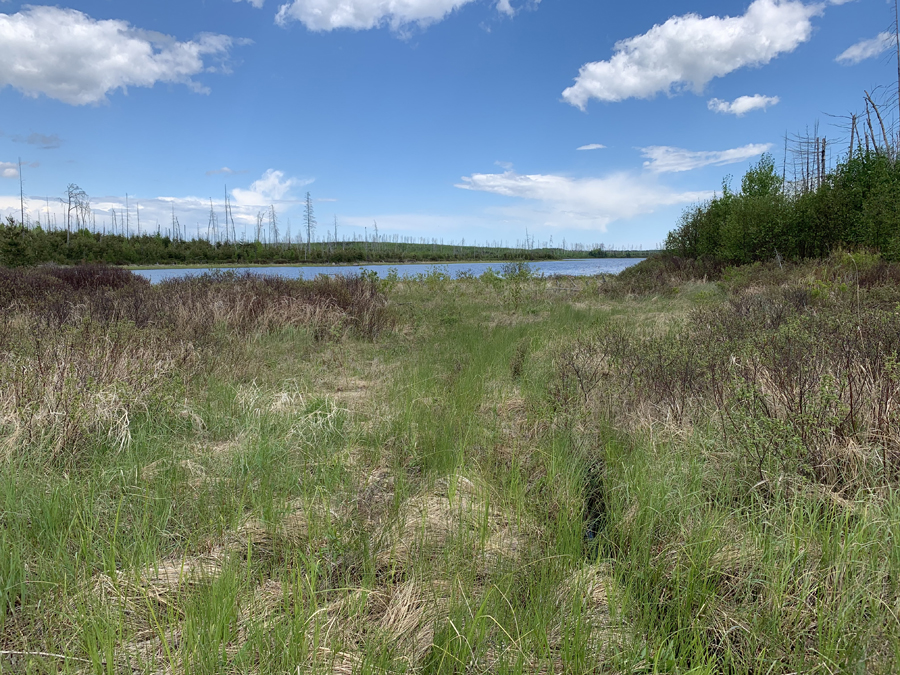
{"x": 796, "y": 380}
{"x": 662, "y": 274}
{"x": 854, "y": 206}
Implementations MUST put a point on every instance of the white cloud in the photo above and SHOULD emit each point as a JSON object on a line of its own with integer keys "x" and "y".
{"x": 866, "y": 49}
{"x": 592, "y": 146}
{"x": 504, "y": 7}
{"x": 192, "y": 214}
{"x": 256, "y": 3}
{"x": 273, "y": 187}
{"x": 742, "y": 104}
{"x": 584, "y": 202}
{"x": 192, "y": 211}
{"x": 688, "y": 51}
{"x": 325, "y": 15}
{"x": 666, "y": 159}
{"x": 9, "y": 170}
{"x": 224, "y": 170}
{"x": 67, "y": 55}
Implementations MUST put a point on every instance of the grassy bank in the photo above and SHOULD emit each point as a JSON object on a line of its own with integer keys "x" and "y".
{"x": 681, "y": 469}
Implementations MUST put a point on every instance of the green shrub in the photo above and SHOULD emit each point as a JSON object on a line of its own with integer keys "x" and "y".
{"x": 854, "y": 206}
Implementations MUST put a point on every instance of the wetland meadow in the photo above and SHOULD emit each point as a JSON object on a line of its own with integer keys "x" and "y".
{"x": 681, "y": 468}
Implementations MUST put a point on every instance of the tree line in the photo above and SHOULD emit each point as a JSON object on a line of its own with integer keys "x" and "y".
{"x": 855, "y": 204}
{"x": 31, "y": 245}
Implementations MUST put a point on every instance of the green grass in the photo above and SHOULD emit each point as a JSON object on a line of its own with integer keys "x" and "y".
{"x": 449, "y": 496}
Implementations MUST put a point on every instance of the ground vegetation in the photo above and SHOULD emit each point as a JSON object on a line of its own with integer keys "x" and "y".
{"x": 686, "y": 468}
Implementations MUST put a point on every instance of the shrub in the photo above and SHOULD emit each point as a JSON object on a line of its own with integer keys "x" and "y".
{"x": 794, "y": 382}
{"x": 85, "y": 348}
{"x": 852, "y": 206}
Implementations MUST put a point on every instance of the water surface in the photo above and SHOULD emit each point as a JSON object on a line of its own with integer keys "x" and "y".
{"x": 579, "y": 267}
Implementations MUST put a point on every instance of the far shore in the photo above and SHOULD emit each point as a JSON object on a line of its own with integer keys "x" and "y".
{"x": 201, "y": 266}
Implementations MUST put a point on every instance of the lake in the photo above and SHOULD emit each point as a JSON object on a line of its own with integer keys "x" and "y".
{"x": 579, "y": 268}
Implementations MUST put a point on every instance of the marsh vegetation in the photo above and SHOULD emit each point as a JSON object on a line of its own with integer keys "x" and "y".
{"x": 685, "y": 468}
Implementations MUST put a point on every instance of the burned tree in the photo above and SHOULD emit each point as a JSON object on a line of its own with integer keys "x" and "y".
{"x": 77, "y": 202}
{"x": 309, "y": 219}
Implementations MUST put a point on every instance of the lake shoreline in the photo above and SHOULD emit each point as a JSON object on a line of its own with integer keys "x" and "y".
{"x": 438, "y": 263}
{"x": 568, "y": 267}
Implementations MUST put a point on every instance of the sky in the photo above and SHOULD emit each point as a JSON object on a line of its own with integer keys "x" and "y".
{"x": 487, "y": 121}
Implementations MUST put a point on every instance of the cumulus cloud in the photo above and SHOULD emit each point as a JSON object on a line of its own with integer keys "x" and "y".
{"x": 666, "y": 159}
{"x": 273, "y": 187}
{"x": 866, "y": 49}
{"x": 592, "y": 146}
{"x": 504, "y": 7}
{"x": 688, "y": 51}
{"x": 583, "y": 202}
{"x": 9, "y": 170}
{"x": 67, "y": 55}
{"x": 325, "y": 15}
{"x": 42, "y": 141}
{"x": 742, "y": 104}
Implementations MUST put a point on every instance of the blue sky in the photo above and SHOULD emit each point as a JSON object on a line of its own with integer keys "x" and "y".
{"x": 447, "y": 119}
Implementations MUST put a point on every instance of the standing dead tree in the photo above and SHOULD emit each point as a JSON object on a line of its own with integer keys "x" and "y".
{"x": 21, "y": 193}
{"x": 273, "y": 224}
{"x": 896, "y": 36}
{"x": 309, "y": 219}
{"x": 176, "y": 226}
{"x": 260, "y": 218}
{"x": 230, "y": 229}
{"x": 212, "y": 227}
{"x": 78, "y": 203}
{"x": 888, "y": 147}
{"x": 809, "y": 160}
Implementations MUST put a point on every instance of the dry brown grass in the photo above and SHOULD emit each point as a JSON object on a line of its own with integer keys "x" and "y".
{"x": 458, "y": 510}
{"x": 86, "y": 349}
{"x": 292, "y": 531}
{"x": 142, "y": 600}
{"x": 791, "y": 382}
{"x": 57, "y": 390}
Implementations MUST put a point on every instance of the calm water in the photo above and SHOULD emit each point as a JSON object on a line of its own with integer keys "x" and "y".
{"x": 579, "y": 268}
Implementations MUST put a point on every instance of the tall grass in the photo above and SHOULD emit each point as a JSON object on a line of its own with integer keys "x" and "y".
{"x": 476, "y": 475}
{"x": 321, "y": 501}
{"x": 749, "y": 483}
{"x": 86, "y": 348}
